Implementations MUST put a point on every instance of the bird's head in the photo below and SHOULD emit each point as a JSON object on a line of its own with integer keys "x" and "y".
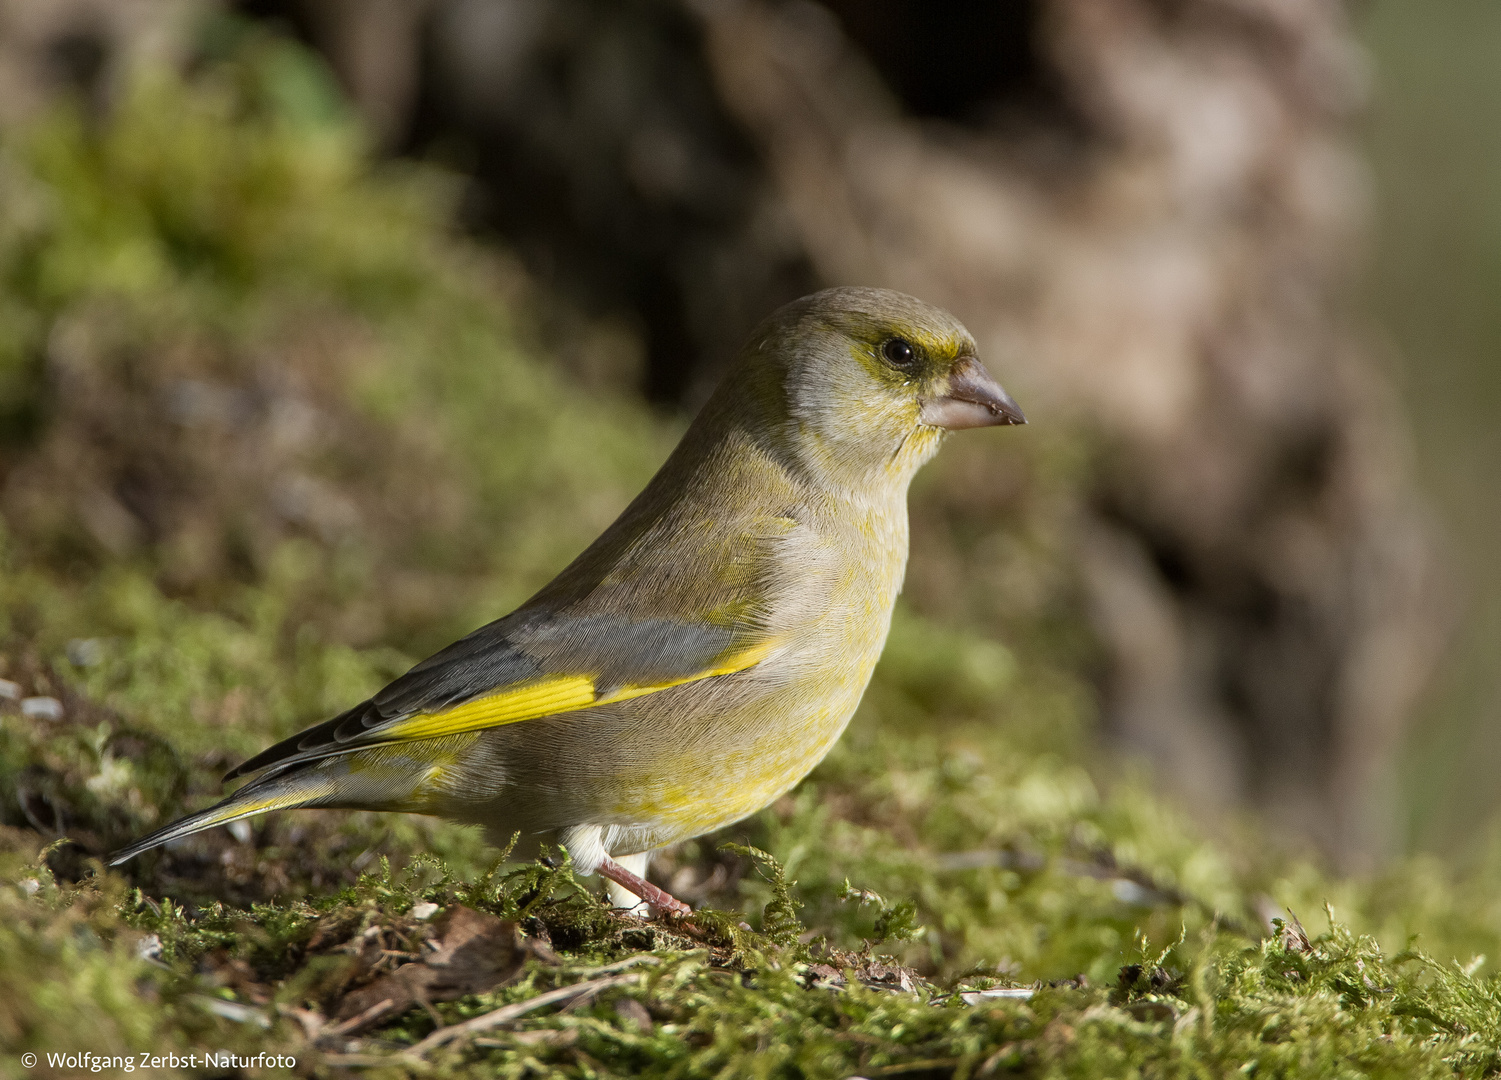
{"x": 860, "y": 385}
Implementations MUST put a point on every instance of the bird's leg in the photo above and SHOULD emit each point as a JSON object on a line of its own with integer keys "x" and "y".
{"x": 657, "y": 898}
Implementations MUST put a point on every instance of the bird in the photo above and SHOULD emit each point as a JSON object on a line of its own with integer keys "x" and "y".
{"x": 703, "y": 654}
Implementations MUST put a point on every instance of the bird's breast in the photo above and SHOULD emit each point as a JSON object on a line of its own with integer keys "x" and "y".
{"x": 735, "y": 746}
{"x": 837, "y": 581}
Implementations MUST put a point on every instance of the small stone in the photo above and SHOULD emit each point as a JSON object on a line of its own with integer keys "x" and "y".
{"x": 149, "y": 947}
{"x": 42, "y": 708}
{"x": 85, "y": 652}
{"x": 240, "y": 830}
{"x": 999, "y": 993}
{"x": 1132, "y": 892}
{"x": 9, "y": 690}
{"x": 424, "y": 910}
{"x": 633, "y": 1014}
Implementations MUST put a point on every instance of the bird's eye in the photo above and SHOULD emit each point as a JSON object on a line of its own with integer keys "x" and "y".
{"x": 899, "y": 352}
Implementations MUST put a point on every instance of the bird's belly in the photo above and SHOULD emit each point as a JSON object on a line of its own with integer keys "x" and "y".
{"x": 754, "y": 754}
{"x": 721, "y": 760}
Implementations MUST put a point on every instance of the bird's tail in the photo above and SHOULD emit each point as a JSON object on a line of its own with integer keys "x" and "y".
{"x": 280, "y": 793}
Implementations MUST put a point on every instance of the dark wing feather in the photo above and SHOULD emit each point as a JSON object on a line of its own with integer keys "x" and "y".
{"x": 612, "y": 653}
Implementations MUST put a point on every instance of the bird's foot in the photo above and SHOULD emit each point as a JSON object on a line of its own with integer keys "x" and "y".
{"x": 660, "y": 899}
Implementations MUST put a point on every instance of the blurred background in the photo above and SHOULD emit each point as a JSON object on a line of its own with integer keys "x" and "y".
{"x": 360, "y": 317}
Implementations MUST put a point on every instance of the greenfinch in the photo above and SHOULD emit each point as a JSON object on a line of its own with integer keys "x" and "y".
{"x": 702, "y": 655}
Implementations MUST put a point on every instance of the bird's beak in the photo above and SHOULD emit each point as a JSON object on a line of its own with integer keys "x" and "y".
{"x": 973, "y": 399}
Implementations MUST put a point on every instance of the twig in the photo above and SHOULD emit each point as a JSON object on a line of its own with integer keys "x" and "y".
{"x": 233, "y": 1010}
{"x": 619, "y": 965}
{"x": 354, "y": 1023}
{"x": 1131, "y": 884}
{"x": 356, "y": 1061}
{"x": 312, "y": 1022}
{"x": 508, "y": 1013}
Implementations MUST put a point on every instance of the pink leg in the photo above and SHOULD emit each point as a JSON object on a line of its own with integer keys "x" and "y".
{"x": 657, "y": 898}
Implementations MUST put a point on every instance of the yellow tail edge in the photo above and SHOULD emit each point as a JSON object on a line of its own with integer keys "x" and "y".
{"x": 231, "y": 809}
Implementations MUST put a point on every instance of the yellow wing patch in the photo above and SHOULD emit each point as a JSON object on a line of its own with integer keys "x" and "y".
{"x": 552, "y": 695}
{"x": 524, "y": 701}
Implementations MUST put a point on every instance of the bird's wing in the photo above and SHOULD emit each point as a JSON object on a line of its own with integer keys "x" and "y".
{"x": 523, "y": 667}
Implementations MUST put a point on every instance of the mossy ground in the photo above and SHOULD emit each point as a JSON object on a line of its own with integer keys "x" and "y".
{"x": 271, "y": 432}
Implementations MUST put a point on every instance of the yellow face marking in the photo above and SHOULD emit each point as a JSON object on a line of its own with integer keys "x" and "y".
{"x": 552, "y": 695}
